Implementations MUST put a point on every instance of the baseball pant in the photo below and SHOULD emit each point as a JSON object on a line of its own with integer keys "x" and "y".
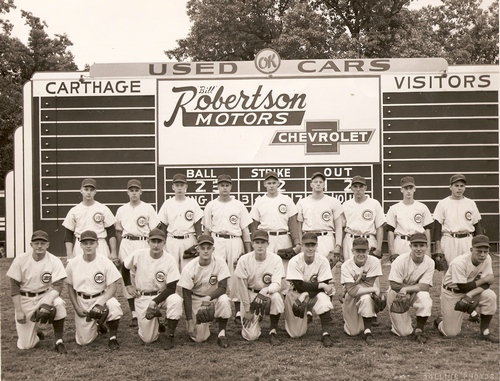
{"x": 277, "y": 242}
{"x": 401, "y": 323}
{"x": 26, "y": 333}
{"x": 222, "y": 310}
{"x": 229, "y": 250}
{"x": 326, "y": 244}
{"x": 176, "y": 247}
{"x": 353, "y": 312}
{"x": 296, "y": 326}
{"x": 401, "y": 246}
{"x": 452, "y": 320}
{"x": 148, "y": 329}
{"x": 453, "y": 247}
{"x": 253, "y": 332}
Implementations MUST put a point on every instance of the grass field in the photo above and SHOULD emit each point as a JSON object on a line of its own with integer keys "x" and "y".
{"x": 391, "y": 358}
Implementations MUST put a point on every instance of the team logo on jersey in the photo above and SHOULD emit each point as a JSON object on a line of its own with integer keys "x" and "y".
{"x": 141, "y": 221}
{"x": 363, "y": 276}
{"x": 314, "y": 278}
{"x": 99, "y": 278}
{"x": 160, "y": 276}
{"x": 418, "y": 218}
{"x": 267, "y": 278}
{"x": 46, "y": 277}
{"x": 368, "y": 215}
{"x": 213, "y": 280}
{"x": 478, "y": 276}
{"x": 326, "y": 216}
{"x": 189, "y": 215}
{"x": 282, "y": 208}
{"x": 233, "y": 218}
{"x": 468, "y": 216}
{"x": 99, "y": 218}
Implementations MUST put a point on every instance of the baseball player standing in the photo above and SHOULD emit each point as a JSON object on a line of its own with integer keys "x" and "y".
{"x": 309, "y": 274}
{"x": 151, "y": 276}
{"x": 204, "y": 284}
{"x": 260, "y": 272}
{"x": 357, "y": 276}
{"x": 92, "y": 281}
{"x": 90, "y": 215}
{"x": 134, "y": 221}
{"x": 180, "y": 216}
{"x": 410, "y": 279}
{"x": 364, "y": 217}
{"x": 321, "y": 214}
{"x": 406, "y": 218}
{"x": 36, "y": 278}
{"x": 467, "y": 282}
{"x": 277, "y": 215}
{"x": 227, "y": 220}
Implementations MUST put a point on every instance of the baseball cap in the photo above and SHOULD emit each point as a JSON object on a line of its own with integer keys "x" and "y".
{"x": 480, "y": 241}
{"x": 224, "y": 178}
{"x": 407, "y": 181}
{"x": 134, "y": 183}
{"x": 316, "y": 174}
{"x": 260, "y": 234}
{"x": 179, "y": 178}
{"x": 360, "y": 243}
{"x": 89, "y": 183}
{"x": 89, "y": 235}
{"x": 40, "y": 235}
{"x": 457, "y": 177}
{"x": 309, "y": 238}
{"x": 157, "y": 234}
{"x": 418, "y": 237}
{"x": 205, "y": 238}
{"x": 271, "y": 174}
{"x": 358, "y": 180}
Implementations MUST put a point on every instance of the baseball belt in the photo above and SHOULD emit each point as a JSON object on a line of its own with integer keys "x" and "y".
{"x": 253, "y": 290}
{"x": 320, "y": 233}
{"x": 360, "y": 235}
{"x": 405, "y": 237}
{"x": 31, "y": 294}
{"x": 459, "y": 235}
{"x": 187, "y": 235}
{"x": 454, "y": 290}
{"x": 134, "y": 238}
{"x": 149, "y": 293}
{"x": 86, "y": 296}
{"x": 277, "y": 233}
{"x": 226, "y": 236}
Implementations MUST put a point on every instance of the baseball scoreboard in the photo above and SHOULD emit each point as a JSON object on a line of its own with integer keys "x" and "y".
{"x": 379, "y": 118}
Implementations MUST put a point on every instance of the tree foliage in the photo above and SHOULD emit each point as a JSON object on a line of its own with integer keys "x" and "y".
{"x": 458, "y": 30}
{"x": 18, "y": 62}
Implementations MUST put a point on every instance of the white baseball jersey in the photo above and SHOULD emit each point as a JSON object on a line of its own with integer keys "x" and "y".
{"x": 318, "y": 271}
{"x": 136, "y": 220}
{"x": 36, "y": 276}
{"x": 180, "y": 216}
{"x": 318, "y": 215}
{"x": 461, "y": 270}
{"x": 226, "y": 217}
{"x": 96, "y": 217}
{"x": 202, "y": 280}
{"x": 151, "y": 274}
{"x": 349, "y": 271}
{"x": 409, "y": 273}
{"x": 273, "y": 212}
{"x": 457, "y": 215}
{"x": 408, "y": 219}
{"x": 91, "y": 277}
{"x": 260, "y": 274}
{"x": 363, "y": 218}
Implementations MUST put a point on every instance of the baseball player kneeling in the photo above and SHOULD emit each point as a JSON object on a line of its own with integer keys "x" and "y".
{"x": 92, "y": 281}
{"x": 36, "y": 284}
{"x": 361, "y": 300}
{"x": 466, "y": 287}
{"x": 154, "y": 273}
{"x": 310, "y": 274}
{"x": 204, "y": 285}
{"x": 410, "y": 279}
{"x": 259, "y": 274}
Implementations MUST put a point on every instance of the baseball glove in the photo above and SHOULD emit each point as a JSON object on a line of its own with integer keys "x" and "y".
{"x": 206, "y": 313}
{"x": 466, "y": 304}
{"x": 393, "y": 257}
{"x": 380, "y": 302}
{"x": 334, "y": 258}
{"x": 44, "y": 314}
{"x": 299, "y": 308}
{"x": 190, "y": 252}
{"x": 99, "y": 313}
{"x": 153, "y": 312}
{"x": 401, "y": 304}
{"x": 261, "y": 305}
{"x": 372, "y": 252}
{"x": 439, "y": 261}
{"x": 287, "y": 253}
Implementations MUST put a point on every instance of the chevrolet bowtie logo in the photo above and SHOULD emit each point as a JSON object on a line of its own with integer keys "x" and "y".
{"x": 322, "y": 137}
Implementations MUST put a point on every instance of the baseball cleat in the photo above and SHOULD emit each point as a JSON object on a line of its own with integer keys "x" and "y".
{"x": 222, "y": 342}
{"x": 113, "y": 344}
{"x": 40, "y": 334}
{"x": 489, "y": 338}
{"x": 419, "y": 336}
{"x": 102, "y": 329}
{"x": 368, "y": 337}
{"x": 309, "y": 317}
{"x": 237, "y": 319}
{"x": 133, "y": 322}
{"x": 327, "y": 341}
{"x": 437, "y": 322}
{"x": 273, "y": 339}
{"x": 169, "y": 343}
{"x": 60, "y": 348}
{"x": 475, "y": 319}
{"x": 162, "y": 328}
